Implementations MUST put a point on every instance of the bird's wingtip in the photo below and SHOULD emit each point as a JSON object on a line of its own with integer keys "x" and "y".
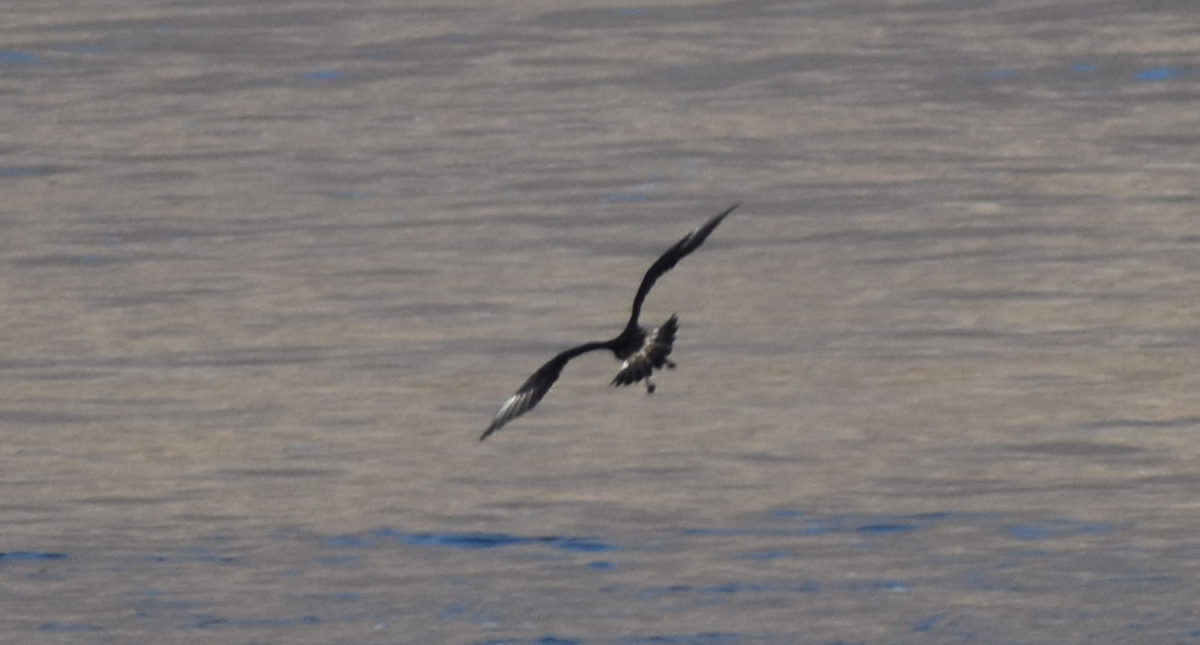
{"x": 490, "y": 429}
{"x": 717, "y": 219}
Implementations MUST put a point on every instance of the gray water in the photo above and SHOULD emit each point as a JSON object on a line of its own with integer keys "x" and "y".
{"x": 269, "y": 269}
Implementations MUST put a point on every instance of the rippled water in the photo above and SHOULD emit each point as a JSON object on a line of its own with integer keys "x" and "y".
{"x": 269, "y": 270}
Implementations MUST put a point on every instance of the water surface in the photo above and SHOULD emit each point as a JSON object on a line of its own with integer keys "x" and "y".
{"x": 269, "y": 271}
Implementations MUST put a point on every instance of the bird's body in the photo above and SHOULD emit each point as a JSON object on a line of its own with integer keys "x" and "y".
{"x": 642, "y": 350}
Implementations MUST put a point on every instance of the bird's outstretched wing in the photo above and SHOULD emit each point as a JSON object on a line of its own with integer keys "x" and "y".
{"x": 668, "y": 260}
{"x": 653, "y": 355}
{"x": 535, "y": 387}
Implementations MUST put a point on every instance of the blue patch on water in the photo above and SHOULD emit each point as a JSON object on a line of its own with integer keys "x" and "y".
{"x": 630, "y": 12}
{"x": 31, "y": 556}
{"x": 729, "y": 588}
{"x": 348, "y": 542}
{"x": 462, "y": 540}
{"x": 579, "y": 545}
{"x": 767, "y": 555}
{"x": 1157, "y": 74}
{"x": 760, "y": 532}
{"x": 483, "y": 540}
{"x": 821, "y": 527}
{"x": 738, "y": 587}
{"x": 1084, "y": 68}
{"x": 18, "y": 58}
{"x": 543, "y": 640}
{"x": 879, "y": 525}
{"x": 1055, "y": 529}
{"x": 719, "y": 532}
{"x": 879, "y": 585}
{"x": 208, "y": 621}
{"x": 1138, "y": 579}
{"x": 786, "y": 513}
{"x": 454, "y": 610}
{"x": 654, "y": 592}
{"x": 350, "y": 194}
{"x": 888, "y": 529}
{"x": 712, "y": 638}
{"x": 155, "y": 600}
{"x": 927, "y": 624}
{"x": 19, "y": 171}
{"x": 601, "y": 566}
{"x": 1029, "y": 532}
{"x": 324, "y": 75}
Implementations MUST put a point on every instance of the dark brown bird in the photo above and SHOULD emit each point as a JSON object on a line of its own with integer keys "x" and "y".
{"x": 642, "y": 350}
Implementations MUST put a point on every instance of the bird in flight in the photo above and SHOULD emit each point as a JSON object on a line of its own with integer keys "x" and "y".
{"x": 642, "y": 350}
